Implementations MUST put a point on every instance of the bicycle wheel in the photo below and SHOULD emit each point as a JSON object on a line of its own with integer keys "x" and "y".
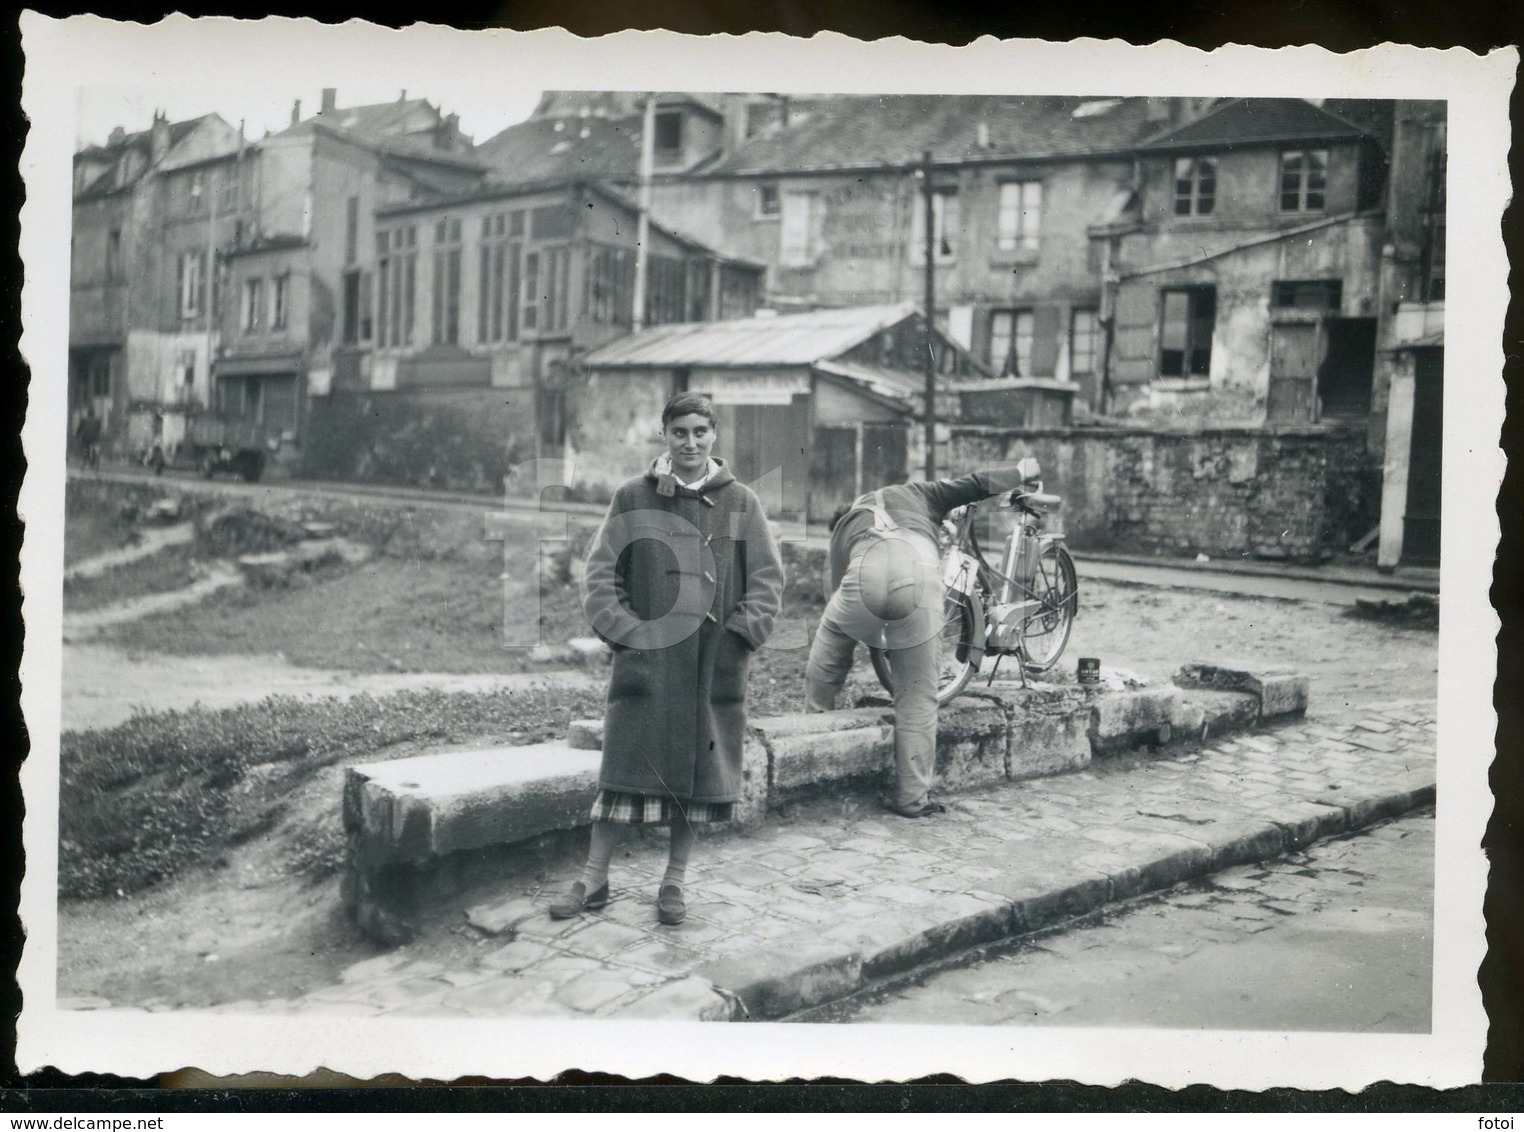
{"x": 955, "y": 663}
{"x": 1056, "y": 586}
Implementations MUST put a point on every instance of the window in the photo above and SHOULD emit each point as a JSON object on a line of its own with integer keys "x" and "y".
{"x": 1307, "y": 294}
{"x": 666, "y": 280}
{"x": 1195, "y": 186}
{"x": 557, "y": 288}
{"x": 190, "y": 283}
{"x": 1431, "y": 256}
{"x": 351, "y": 228}
{"x": 253, "y": 305}
{"x": 669, "y": 131}
{"x": 611, "y": 286}
{"x": 187, "y": 368}
{"x": 1185, "y": 338}
{"x": 114, "y": 254}
{"x": 796, "y": 230}
{"x": 497, "y": 294}
{"x": 1084, "y": 339}
{"x": 1303, "y": 179}
{"x": 396, "y": 278}
{"x": 944, "y": 226}
{"x": 446, "y": 308}
{"x": 768, "y": 205}
{"x": 279, "y": 287}
{"x": 1020, "y": 216}
{"x": 196, "y": 189}
{"x": 1011, "y": 338}
{"x": 532, "y": 291}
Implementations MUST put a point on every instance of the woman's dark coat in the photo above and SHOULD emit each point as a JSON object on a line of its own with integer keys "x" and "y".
{"x": 684, "y": 585}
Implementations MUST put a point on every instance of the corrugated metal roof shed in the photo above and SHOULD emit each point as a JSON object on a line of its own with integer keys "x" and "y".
{"x": 785, "y": 340}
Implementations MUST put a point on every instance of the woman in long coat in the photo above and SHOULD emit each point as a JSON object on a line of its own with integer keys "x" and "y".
{"x": 684, "y": 582}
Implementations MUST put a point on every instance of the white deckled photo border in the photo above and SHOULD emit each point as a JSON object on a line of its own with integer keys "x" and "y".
{"x": 64, "y": 55}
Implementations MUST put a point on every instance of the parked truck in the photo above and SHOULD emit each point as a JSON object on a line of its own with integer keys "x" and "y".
{"x": 211, "y": 442}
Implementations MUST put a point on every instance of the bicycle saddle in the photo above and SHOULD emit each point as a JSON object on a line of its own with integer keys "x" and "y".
{"x": 1037, "y": 501}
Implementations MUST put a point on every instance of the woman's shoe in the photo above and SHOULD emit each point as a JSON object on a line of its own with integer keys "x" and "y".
{"x": 671, "y": 908}
{"x": 578, "y": 900}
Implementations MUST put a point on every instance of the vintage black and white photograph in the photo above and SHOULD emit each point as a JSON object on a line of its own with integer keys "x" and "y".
{"x": 812, "y": 552}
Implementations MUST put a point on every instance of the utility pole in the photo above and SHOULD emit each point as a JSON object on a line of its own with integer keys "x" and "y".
{"x": 643, "y": 225}
{"x": 930, "y": 316}
{"x": 210, "y": 280}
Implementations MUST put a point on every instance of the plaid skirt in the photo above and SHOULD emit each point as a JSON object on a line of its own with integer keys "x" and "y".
{"x": 655, "y": 809}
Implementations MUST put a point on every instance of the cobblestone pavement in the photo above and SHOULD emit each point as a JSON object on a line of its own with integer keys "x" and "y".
{"x": 1338, "y": 937}
{"x": 809, "y": 906}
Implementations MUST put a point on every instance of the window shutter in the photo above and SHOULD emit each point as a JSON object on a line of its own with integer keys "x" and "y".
{"x": 1046, "y": 329}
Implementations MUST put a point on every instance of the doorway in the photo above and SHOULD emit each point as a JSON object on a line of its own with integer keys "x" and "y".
{"x": 1420, "y": 524}
{"x": 1344, "y": 378}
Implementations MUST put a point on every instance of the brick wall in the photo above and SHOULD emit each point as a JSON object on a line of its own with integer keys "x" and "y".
{"x": 1294, "y": 493}
{"x": 455, "y": 439}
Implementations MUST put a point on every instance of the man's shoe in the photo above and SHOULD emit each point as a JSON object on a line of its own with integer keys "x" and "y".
{"x": 578, "y": 900}
{"x": 925, "y": 810}
{"x": 671, "y": 908}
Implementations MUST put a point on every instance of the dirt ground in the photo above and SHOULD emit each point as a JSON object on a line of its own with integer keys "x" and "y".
{"x": 429, "y": 609}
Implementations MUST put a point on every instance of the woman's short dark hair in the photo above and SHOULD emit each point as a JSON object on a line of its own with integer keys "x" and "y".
{"x": 684, "y": 404}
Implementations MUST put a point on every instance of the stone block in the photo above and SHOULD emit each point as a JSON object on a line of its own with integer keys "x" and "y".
{"x": 585, "y": 734}
{"x": 1149, "y": 861}
{"x": 756, "y": 781}
{"x": 425, "y": 807}
{"x": 1043, "y": 894}
{"x": 1048, "y": 729}
{"x": 1222, "y": 712}
{"x": 685, "y": 1000}
{"x": 1307, "y": 822}
{"x": 847, "y": 744}
{"x": 1240, "y": 842}
{"x": 971, "y": 745}
{"x": 1280, "y": 691}
{"x": 945, "y": 926}
{"x": 785, "y": 977}
{"x": 1120, "y": 721}
{"x": 503, "y": 916}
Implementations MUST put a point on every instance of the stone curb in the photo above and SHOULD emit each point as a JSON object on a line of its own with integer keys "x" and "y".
{"x": 814, "y": 968}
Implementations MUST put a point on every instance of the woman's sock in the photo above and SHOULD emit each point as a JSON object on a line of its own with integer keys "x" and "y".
{"x": 606, "y": 838}
{"x": 678, "y": 852}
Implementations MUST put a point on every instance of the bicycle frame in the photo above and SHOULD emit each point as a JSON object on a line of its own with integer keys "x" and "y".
{"x": 966, "y": 565}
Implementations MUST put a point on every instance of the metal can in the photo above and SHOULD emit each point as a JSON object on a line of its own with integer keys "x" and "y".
{"x": 1088, "y": 671}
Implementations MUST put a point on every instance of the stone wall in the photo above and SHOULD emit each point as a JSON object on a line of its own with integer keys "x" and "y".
{"x": 1289, "y": 493}
{"x": 451, "y": 439}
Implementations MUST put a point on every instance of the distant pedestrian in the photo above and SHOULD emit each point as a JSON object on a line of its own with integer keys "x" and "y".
{"x": 886, "y": 592}
{"x": 684, "y": 582}
{"x": 90, "y": 438}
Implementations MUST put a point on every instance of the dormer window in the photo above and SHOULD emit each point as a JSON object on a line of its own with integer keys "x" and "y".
{"x": 1304, "y": 176}
{"x": 1195, "y": 186}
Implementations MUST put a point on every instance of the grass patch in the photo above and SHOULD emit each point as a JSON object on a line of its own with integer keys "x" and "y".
{"x": 98, "y": 518}
{"x": 159, "y": 794}
{"x": 172, "y": 568}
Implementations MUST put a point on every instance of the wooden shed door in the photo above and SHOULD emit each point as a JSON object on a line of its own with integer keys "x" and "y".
{"x": 885, "y": 451}
{"x": 769, "y": 439}
{"x": 1294, "y": 354}
{"x": 833, "y": 470}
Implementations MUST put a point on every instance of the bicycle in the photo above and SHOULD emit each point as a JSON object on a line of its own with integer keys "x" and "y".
{"x": 1025, "y": 609}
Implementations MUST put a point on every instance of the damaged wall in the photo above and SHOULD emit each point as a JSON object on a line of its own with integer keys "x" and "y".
{"x": 1286, "y": 493}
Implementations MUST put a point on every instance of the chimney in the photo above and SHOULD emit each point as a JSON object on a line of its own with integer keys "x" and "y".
{"x": 296, "y": 111}
{"x": 330, "y": 100}
{"x": 118, "y": 135}
{"x": 402, "y": 95}
{"x": 158, "y": 138}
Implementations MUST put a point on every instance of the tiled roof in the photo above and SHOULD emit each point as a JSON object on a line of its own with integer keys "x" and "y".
{"x": 863, "y": 132}
{"x": 381, "y": 117}
{"x": 784, "y": 340}
{"x": 177, "y": 132}
{"x": 544, "y": 149}
{"x": 106, "y": 182}
{"x": 1258, "y": 121}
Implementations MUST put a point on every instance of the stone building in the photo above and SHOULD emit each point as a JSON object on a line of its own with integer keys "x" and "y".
{"x": 301, "y": 277}
{"x": 482, "y": 302}
{"x": 149, "y": 211}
